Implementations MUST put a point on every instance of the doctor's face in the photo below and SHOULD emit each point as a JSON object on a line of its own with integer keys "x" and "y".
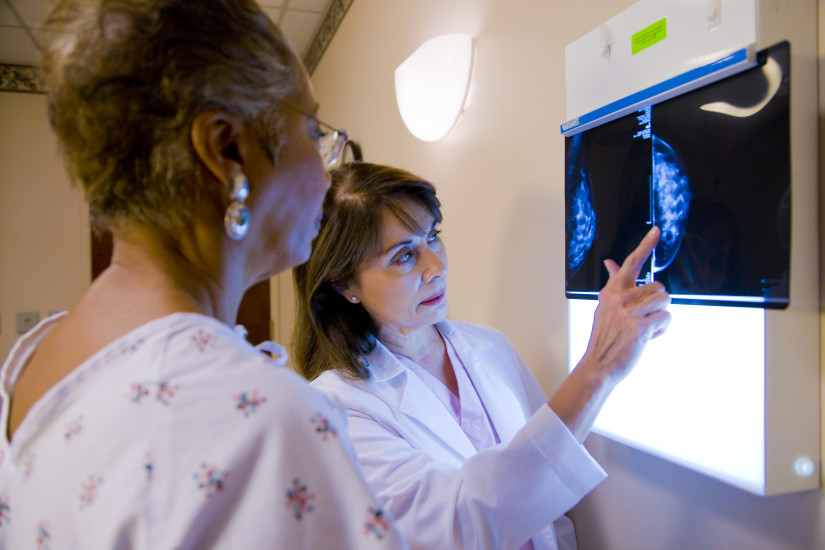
{"x": 402, "y": 283}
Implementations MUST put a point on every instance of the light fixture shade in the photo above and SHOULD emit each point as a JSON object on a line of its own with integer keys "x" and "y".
{"x": 431, "y": 85}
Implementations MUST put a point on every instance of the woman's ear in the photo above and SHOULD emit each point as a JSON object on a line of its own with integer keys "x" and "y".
{"x": 342, "y": 287}
{"x": 339, "y": 284}
{"x": 217, "y": 139}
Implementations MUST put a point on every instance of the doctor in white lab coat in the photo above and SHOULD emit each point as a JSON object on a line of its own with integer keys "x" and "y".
{"x": 428, "y": 472}
{"x": 450, "y": 427}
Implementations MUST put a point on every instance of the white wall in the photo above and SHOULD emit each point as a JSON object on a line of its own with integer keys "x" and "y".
{"x": 499, "y": 175}
{"x": 44, "y": 230}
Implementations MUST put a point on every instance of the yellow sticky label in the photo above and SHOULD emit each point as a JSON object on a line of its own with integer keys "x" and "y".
{"x": 649, "y": 35}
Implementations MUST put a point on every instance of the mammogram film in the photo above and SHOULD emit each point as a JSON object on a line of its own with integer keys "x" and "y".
{"x": 711, "y": 169}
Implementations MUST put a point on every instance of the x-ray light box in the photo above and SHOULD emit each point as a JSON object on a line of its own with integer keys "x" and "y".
{"x": 719, "y": 156}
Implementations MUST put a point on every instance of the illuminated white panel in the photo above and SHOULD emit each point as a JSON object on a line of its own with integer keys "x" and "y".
{"x": 697, "y": 397}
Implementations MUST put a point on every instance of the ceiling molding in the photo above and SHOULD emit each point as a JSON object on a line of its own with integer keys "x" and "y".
{"x": 335, "y": 14}
{"x": 27, "y": 79}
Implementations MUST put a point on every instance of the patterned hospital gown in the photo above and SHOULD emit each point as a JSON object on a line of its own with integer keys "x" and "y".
{"x": 181, "y": 435}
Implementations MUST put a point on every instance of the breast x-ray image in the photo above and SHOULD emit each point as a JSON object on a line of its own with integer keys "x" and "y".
{"x": 711, "y": 169}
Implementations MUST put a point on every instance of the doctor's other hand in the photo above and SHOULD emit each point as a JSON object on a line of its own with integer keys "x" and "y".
{"x": 627, "y": 317}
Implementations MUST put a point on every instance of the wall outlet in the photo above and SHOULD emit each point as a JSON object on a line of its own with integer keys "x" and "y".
{"x": 26, "y": 320}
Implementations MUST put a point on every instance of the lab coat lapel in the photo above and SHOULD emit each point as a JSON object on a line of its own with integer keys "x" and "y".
{"x": 495, "y": 386}
{"x": 421, "y": 407}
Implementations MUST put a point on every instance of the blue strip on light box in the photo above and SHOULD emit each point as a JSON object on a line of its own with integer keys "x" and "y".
{"x": 692, "y": 79}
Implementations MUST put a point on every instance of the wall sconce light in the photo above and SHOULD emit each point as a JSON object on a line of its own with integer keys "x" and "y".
{"x": 431, "y": 85}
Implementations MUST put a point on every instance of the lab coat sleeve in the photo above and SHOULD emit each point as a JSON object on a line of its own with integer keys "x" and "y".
{"x": 497, "y": 498}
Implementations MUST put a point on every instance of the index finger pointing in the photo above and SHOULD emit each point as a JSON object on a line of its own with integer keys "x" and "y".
{"x": 629, "y": 271}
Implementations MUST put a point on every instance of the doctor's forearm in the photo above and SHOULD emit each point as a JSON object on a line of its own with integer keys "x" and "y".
{"x": 580, "y": 397}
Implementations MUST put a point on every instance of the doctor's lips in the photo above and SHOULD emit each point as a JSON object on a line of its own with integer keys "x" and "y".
{"x": 434, "y": 299}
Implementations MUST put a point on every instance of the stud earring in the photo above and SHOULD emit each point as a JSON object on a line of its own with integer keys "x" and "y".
{"x": 236, "y": 219}
{"x": 354, "y": 299}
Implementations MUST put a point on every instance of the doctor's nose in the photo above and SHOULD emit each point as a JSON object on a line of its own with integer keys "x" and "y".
{"x": 435, "y": 265}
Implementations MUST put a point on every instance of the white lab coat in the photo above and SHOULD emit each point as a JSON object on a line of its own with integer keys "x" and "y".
{"x": 440, "y": 490}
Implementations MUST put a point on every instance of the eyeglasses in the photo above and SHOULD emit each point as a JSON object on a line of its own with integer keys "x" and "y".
{"x": 330, "y": 144}
{"x": 329, "y": 141}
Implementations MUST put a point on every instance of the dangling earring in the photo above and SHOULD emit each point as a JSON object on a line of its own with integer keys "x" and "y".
{"x": 236, "y": 219}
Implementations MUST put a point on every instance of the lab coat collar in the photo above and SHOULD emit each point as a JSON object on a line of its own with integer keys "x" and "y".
{"x": 418, "y": 403}
{"x": 384, "y": 365}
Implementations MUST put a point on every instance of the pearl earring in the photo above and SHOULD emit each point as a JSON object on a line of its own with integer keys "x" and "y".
{"x": 354, "y": 299}
{"x": 236, "y": 219}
